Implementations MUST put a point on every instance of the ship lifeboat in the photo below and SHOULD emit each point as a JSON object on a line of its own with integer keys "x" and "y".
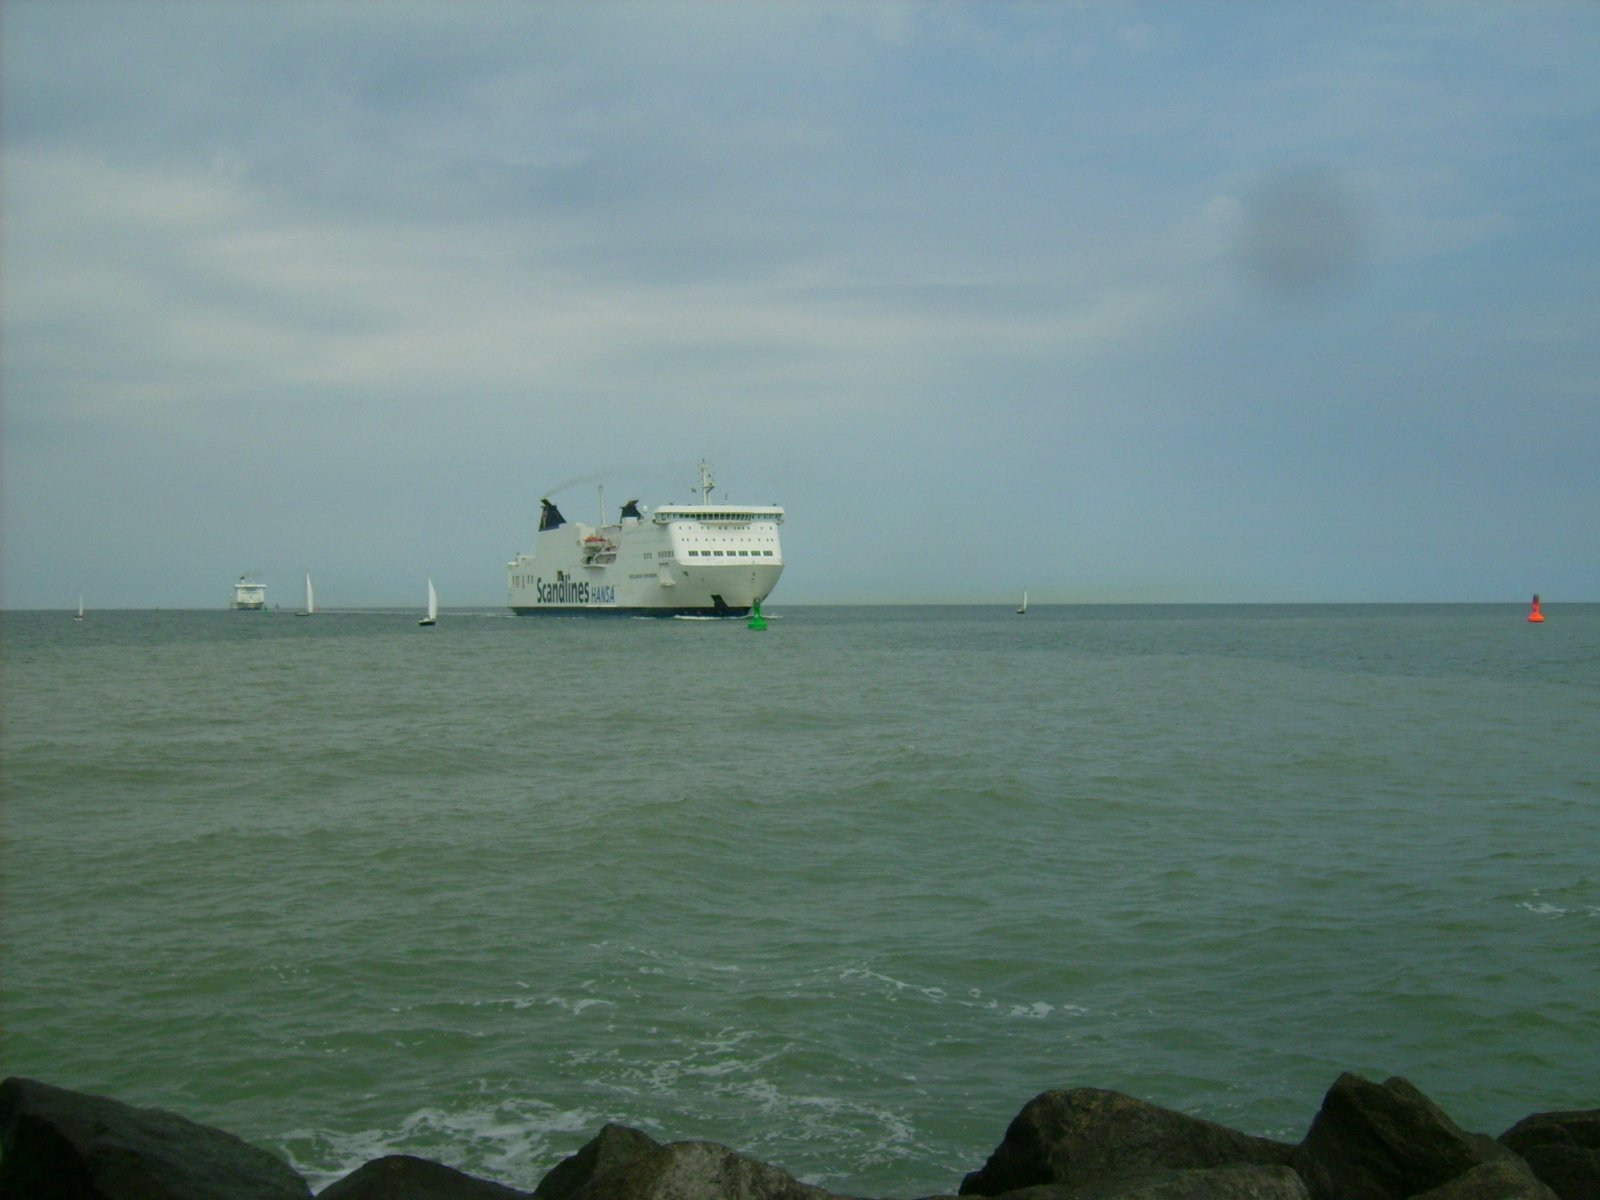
{"x": 598, "y": 549}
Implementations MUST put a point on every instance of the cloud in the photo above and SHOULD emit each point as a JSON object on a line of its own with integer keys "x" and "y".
{"x": 925, "y": 246}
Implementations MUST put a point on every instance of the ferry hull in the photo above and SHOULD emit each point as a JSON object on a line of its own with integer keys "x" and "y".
{"x": 617, "y": 611}
{"x": 669, "y": 592}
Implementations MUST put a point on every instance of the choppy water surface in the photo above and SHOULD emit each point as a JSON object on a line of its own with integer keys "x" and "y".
{"x": 842, "y": 895}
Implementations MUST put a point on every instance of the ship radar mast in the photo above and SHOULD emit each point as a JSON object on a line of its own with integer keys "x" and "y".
{"x": 706, "y": 482}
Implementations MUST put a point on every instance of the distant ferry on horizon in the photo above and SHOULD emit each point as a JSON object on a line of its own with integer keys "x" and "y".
{"x": 702, "y": 560}
{"x": 250, "y": 596}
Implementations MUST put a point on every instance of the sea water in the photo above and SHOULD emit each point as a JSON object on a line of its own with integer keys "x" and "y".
{"x": 842, "y": 895}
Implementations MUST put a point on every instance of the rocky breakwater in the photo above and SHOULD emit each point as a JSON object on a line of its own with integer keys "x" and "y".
{"x": 1368, "y": 1141}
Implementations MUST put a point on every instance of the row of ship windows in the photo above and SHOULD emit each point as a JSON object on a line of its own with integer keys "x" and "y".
{"x": 743, "y": 518}
{"x": 730, "y": 554}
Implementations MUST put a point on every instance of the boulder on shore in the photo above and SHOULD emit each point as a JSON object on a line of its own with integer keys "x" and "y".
{"x": 604, "y": 1154}
{"x": 625, "y": 1164}
{"x": 1490, "y": 1181}
{"x": 1388, "y": 1141}
{"x": 57, "y": 1144}
{"x": 1563, "y": 1150}
{"x": 1241, "y": 1182}
{"x": 1088, "y": 1136}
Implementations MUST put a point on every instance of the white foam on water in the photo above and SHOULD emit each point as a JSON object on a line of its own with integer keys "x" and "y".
{"x": 1544, "y": 908}
{"x": 1541, "y": 904}
{"x": 510, "y": 1144}
{"x": 721, "y": 1055}
{"x": 858, "y": 1133}
{"x": 973, "y": 998}
{"x": 1036, "y": 1011}
{"x": 576, "y": 1007}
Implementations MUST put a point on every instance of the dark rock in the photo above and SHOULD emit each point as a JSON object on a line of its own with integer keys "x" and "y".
{"x": 607, "y": 1152}
{"x": 1209, "y": 1183}
{"x": 1580, "y": 1128}
{"x": 1563, "y": 1149}
{"x": 402, "y": 1177}
{"x": 1491, "y": 1181}
{"x": 1240, "y": 1182}
{"x": 63, "y": 1145}
{"x": 624, "y": 1164}
{"x": 1089, "y": 1137}
{"x": 1387, "y": 1141}
{"x": 711, "y": 1172}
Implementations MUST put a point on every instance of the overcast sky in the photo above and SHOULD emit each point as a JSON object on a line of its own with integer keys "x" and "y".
{"x": 1112, "y": 301}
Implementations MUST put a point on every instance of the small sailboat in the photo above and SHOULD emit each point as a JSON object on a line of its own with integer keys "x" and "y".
{"x": 433, "y": 606}
{"x": 1023, "y": 607}
{"x": 79, "y": 617}
{"x": 311, "y": 602}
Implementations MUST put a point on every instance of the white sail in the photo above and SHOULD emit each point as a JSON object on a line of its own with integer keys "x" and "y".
{"x": 1023, "y": 607}
{"x": 80, "y": 606}
{"x": 433, "y": 606}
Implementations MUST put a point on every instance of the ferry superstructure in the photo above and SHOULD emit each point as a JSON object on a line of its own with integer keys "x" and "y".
{"x": 709, "y": 559}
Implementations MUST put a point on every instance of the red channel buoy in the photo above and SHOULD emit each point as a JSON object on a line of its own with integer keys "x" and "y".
{"x": 1536, "y": 615}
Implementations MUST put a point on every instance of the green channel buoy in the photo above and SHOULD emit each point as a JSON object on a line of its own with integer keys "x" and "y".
{"x": 757, "y": 621}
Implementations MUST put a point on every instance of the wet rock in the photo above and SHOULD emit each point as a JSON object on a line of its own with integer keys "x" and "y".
{"x": 1563, "y": 1150}
{"x": 1241, "y": 1182}
{"x": 624, "y": 1164}
{"x": 402, "y": 1177}
{"x": 57, "y": 1144}
{"x": 1210, "y": 1183}
{"x": 605, "y": 1154}
{"x": 1089, "y": 1137}
{"x": 1387, "y": 1141}
{"x": 1491, "y": 1181}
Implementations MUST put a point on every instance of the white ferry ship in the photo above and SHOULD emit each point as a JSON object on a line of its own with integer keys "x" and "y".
{"x": 248, "y": 595}
{"x": 708, "y": 559}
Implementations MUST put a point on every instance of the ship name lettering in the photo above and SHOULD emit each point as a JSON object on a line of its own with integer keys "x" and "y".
{"x": 566, "y": 590}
